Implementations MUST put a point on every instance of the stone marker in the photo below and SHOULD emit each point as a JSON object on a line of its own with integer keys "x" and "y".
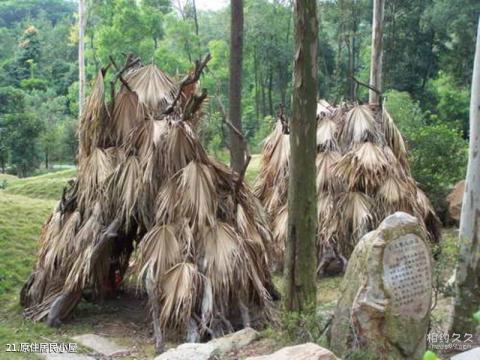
{"x": 386, "y": 293}
{"x": 308, "y": 351}
{"x": 211, "y": 349}
{"x": 100, "y": 344}
{"x": 473, "y": 354}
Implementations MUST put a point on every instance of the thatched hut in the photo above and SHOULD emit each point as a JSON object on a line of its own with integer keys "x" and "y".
{"x": 362, "y": 176}
{"x": 148, "y": 198}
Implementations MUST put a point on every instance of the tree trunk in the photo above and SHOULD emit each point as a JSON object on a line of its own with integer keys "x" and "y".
{"x": 237, "y": 146}
{"x": 300, "y": 259}
{"x": 376, "y": 59}
{"x": 81, "y": 55}
{"x": 270, "y": 89}
{"x": 195, "y": 18}
{"x": 467, "y": 280}
{"x": 257, "y": 94}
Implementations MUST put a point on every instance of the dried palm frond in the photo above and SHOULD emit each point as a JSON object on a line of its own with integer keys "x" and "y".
{"x": 197, "y": 203}
{"x": 424, "y": 209}
{"x": 154, "y": 88}
{"x": 395, "y": 195}
{"x": 272, "y": 182}
{"x": 92, "y": 122}
{"x": 324, "y": 108}
{"x": 84, "y": 242}
{"x": 122, "y": 189}
{"x": 363, "y": 167}
{"x": 93, "y": 172}
{"x": 327, "y": 134}
{"x": 325, "y": 213}
{"x": 394, "y": 139}
{"x": 355, "y": 216}
{"x": 180, "y": 290}
{"x": 326, "y": 180}
{"x": 222, "y": 258}
{"x": 279, "y": 229}
{"x": 180, "y": 147}
{"x": 61, "y": 248}
{"x": 159, "y": 250}
{"x": 127, "y": 115}
{"x": 359, "y": 126}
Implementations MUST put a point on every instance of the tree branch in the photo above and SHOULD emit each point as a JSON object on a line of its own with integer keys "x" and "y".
{"x": 128, "y": 64}
{"x": 189, "y": 79}
{"x": 237, "y": 132}
{"x": 366, "y": 85}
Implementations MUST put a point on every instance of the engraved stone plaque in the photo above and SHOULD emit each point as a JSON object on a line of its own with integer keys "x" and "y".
{"x": 407, "y": 276}
{"x": 385, "y": 299}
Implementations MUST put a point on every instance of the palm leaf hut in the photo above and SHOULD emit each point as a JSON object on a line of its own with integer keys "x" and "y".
{"x": 362, "y": 176}
{"x": 148, "y": 199}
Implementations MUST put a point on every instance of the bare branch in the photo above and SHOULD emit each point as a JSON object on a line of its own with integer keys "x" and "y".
{"x": 367, "y": 86}
{"x": 128, "y": 64}
{"x": 189, "y": 79}
{"x": 237, "y": 132}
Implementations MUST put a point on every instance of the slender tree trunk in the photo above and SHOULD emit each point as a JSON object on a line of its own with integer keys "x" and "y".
{"x": 300, "y": 261}
{"x": 257, "y": 94}
{"x": 195, "y": 18}
{"x": 270, "y": 86}
{"x": 81, "y": 55}
{"x": 237, "y": 146}
{"x": 467, "y": 280}
{"x": 264, "y": 98}
{"x": 376, "y": 60}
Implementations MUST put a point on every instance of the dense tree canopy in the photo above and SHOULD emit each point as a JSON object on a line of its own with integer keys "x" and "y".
{"x": 428, "y": 55}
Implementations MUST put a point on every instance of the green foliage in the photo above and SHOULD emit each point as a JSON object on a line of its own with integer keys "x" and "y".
{"x": 28, "y": 53}
{"x": 307, "y": 326}
{"x": 476, "y": 316}
{"x": 428, "y": 53}
{"x": 430, "y": 355}
{"x": 22, "y": 134}
{"x": 437, "y": 152}
{"x": 438, "y": 160}
{"x": 452, "y": 103}
{"x": 33, "y": 84}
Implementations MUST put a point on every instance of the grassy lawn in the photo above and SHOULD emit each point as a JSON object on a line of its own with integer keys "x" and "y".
{"x": 47, "y": 186}
{"x": 20, "y": 222}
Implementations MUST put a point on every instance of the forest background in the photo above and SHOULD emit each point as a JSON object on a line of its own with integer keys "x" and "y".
{"x": 428, "y": 56}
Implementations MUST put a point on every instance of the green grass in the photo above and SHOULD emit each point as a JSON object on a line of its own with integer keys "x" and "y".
{"x": 253, "y": 169}
{"x": 47, "y": 186}
{"x": 20, "y": 222}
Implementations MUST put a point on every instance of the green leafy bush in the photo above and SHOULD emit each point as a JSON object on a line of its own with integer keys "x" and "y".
{"x": 437, "y": 152}
{"x": 438, "y": 157}
{"x": 33, "y": 84}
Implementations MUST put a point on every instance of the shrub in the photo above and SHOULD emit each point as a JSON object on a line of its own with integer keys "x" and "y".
{"x": 438, "y": 159}
{"x": 437, "y": 152}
